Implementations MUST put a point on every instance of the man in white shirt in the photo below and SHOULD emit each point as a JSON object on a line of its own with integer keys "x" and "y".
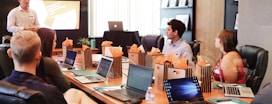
{"x": 22, "y": 18}
{"x": 177, "y": 45}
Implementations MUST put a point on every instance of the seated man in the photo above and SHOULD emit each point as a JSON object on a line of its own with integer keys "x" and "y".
{"x": 25, "y": 51}
{"x": 264, "y": 95}
{"x": 178, "y": 46}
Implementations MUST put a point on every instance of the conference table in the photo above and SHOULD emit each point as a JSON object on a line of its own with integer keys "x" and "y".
{"x": 160, "y": 96}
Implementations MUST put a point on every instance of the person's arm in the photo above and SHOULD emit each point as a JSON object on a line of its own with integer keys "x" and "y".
{"x": 11, "y": 19}
{"x": 55, "y": 75}
{"x": 36, "y": 24}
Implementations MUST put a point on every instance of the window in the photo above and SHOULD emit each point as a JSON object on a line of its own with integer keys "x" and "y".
{"x": 137, "y": 15}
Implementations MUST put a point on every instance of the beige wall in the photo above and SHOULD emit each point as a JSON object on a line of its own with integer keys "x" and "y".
{"x": 209, "y": 21}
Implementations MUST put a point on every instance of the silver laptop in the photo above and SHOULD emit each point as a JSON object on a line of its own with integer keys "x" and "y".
{"x": 101, "y": 74}
{"x": 115, "y": 25}
{"x": 138, "y": 81}
{"x": 69, "y": 60}
{"x": 235, "y": 90}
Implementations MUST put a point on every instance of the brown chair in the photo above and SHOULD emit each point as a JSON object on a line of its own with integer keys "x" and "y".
{"x": 255, "y": 59}
{"x": 150, "y": 41}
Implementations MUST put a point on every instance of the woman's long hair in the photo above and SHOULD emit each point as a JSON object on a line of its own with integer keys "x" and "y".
{"x": 47, "y": 38}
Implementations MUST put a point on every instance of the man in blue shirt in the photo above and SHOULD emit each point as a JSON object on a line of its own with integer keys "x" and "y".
{"x": 177, "y": 45}
{"x": 25, "y": 51}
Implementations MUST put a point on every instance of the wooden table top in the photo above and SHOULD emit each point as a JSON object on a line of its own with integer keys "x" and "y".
{"x": 160, "y": 96}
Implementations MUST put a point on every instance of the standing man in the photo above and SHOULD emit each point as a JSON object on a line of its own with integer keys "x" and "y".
{"x": 177, "y": 45}
{"x": 22, "y": 18}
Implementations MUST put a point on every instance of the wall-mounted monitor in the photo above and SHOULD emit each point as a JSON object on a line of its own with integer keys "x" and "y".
{"x": 58, "y": 15}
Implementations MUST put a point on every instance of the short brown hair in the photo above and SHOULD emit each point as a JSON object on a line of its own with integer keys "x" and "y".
{"x": 24, "y": 46}
{"x": 177, "y": 25}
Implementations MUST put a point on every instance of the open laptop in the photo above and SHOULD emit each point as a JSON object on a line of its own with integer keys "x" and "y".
{"x": 101, "y": 74}
{"x": 69, "y": 60}
{"x": 235, "y": 90}
{"x": 138, "y": 81}
{"x": 115, "y": 25}
{"x": 183, "y": 90}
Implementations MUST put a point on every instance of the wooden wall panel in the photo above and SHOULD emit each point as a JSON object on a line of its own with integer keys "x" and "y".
{"x": 209, "y": 21}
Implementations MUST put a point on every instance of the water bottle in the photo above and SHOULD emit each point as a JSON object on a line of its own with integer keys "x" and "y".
{"x": 93, "y": 43}
{"x": 149, "y": 96}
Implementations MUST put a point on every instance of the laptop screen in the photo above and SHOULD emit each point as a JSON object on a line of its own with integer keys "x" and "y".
{"x": 70, "y": 57}
{"x": 104, "y": 66}
{"x": 139, "y": 77}
{"x": 183, "y": 89}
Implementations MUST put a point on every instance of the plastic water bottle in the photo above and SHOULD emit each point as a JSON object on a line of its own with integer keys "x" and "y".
{"x": 93, "y": 45}
{"x": 149, "y": 96}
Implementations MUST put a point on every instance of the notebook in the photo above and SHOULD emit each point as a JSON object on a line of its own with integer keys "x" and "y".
{"x": 115, "y": 25}
{"x": 183, "y": 90}
{"x": 101, "y": 74}
{"x": 235, "y": 90}
{"x": 69, "y": 60}
{"x": 138, "y": 81}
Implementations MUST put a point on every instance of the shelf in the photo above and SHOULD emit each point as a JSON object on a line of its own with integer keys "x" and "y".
{"x": 176, "y": 7}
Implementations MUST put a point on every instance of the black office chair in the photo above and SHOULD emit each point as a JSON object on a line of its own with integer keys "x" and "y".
{"x": 255, "y": 59}
{"x": 150, "y": 41}
{"x": 13, "y": 94}
{"x": 6, "y": 63}
{"x": 195, "y": 46}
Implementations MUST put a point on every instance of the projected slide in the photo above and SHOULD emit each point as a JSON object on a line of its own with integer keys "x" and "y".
{"x": 58, "y": 15}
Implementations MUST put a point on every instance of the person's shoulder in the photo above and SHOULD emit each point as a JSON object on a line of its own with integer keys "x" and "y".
{"x": 14, "y": 10}
{"x": 48, "y": 61}
{"x": 232, "y": 56}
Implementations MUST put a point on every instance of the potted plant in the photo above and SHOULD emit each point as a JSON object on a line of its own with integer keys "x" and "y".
{"x": 85, "y": 42}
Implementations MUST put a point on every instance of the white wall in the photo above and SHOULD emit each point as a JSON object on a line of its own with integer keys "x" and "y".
{"x": 255, "y": 28}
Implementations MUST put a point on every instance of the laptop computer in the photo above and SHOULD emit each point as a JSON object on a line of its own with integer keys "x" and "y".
{"x": 115, "y": 25}
{"x": 69, "y": 60}
{"x": 235, "y": 90}
{"x": 101, "y": 74}
{"x": 138, "y": 81}
{"x": 183, "y": 90}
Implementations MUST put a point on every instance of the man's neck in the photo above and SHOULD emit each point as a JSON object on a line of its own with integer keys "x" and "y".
{"x": 28, "y": 68}
{"x": 173, "y": 41}
{"x": 24, "y": 8}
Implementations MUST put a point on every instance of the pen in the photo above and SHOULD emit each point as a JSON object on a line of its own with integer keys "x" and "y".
{"x": 222, "y": 100}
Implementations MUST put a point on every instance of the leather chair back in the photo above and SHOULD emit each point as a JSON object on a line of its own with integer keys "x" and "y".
{"x": 13, "y": 94}
{"x": 195, "y": 46}
{"x": 150, "y": 41}
{"x": 6, "y": 63}
{"x": 255, "y": 59}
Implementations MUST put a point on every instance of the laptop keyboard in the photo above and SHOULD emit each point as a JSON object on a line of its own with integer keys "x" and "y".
{"x": 232, "y": 90}
{"x": 92, "y": 78}
{"x": 117, "y": 95}
{"x": 131, "y": 94}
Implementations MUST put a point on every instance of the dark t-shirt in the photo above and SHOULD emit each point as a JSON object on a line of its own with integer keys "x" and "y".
{"x": 53, "y": 95}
